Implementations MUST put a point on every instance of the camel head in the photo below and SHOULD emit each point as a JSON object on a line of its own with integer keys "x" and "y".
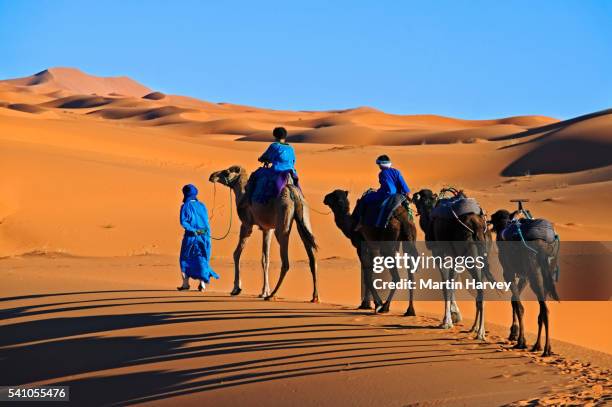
{"x": 424, "y": 200}
{"x": 228, "y": 177}
{"x": 337, "y": 200}
{"x": 500, "y": 220}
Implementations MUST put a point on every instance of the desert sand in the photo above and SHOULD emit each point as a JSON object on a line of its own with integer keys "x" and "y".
{"x": 91, "y": 172}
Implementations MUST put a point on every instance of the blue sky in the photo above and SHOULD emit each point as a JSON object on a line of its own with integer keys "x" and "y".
{"x": 467, "y": 59}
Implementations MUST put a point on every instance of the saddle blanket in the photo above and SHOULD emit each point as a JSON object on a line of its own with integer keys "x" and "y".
{"x": 266, "y": 184}
{"x": 460, "y": 205}
{"x": 531, "y": 229}
{"x": 378, "y": 213}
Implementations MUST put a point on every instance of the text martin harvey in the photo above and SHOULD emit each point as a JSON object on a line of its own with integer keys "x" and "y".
{"x": 430, "y": 284}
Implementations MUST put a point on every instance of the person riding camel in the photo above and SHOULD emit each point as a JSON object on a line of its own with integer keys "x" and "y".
{"x": 391, "y": 182}
{"x": 279, "y": 169}
{"x": 279, "y": 154}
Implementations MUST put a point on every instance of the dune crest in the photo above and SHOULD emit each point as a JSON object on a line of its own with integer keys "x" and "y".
{"x": 76, "y": 81}
{"x": 573, "y": 145}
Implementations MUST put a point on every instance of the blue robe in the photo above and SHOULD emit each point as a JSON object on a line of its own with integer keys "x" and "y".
{"x": 391, "y": 182}
{"x": 281, "y": 156}
{"x": 196, "y": 248}
{"x": 267, "y": 183}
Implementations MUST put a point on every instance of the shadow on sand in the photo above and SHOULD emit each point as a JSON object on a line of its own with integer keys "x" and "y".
{"x": 45, "y": 345}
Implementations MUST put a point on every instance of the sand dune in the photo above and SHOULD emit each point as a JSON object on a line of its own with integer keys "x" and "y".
{"x": 79, "y": 102}
{"x": 76, "y": 81}
{"x": 24, "y": 107}
{"x": 358, "y": 126}
{"x": 139, "y": 113}
{"x": 578, "y": 145}
{"x": 154, "y": 96}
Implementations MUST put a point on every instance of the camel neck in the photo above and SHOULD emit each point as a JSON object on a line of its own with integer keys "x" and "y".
{"x": 239, "y": 188}
{"x": 343, "y": 220}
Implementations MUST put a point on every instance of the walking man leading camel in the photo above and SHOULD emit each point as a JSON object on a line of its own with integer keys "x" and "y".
{"x": 196, "y": 247}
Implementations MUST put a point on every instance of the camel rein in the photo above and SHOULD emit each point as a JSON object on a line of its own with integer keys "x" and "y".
{"x": 319, "y": 212}
{"x": 229, "y": 227}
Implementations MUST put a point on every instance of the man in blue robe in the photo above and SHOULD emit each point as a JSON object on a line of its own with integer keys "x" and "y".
{"x": 279, "y": 154}
{"x": 279, "y": 163}
{"x": 196, "y": 247}
{"x": 391, "y": 182}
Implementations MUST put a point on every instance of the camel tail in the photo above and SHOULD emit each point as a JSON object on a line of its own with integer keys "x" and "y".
{"x": 302, "y": 220}
{"x": 547, "y": 275}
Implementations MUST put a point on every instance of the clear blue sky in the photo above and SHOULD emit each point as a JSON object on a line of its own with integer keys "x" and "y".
{"x": 468, "y": 59}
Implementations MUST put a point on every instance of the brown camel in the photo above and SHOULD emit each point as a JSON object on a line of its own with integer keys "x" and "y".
{"x": 532, "y": 261}
{"x": 400, "y": 229}
{"x": 278, "y": 216}
{"x": 465, "y": 235}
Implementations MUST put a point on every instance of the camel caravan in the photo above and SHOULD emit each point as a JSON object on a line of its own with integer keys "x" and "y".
{"x": 453, "y": 224}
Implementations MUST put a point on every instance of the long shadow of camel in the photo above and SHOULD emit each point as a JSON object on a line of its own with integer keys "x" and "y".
{"x": 52, "y": 348}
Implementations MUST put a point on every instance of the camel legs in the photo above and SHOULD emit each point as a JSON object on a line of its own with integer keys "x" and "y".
{"x": 395, "y": 278}
{"x": 366, "y": 299}
{"x": 313, "y": 270}
{"x": 447, "y": 321}
{"x": 410, "y": 312}
{"x": 543, "y": 321}
{"x": 479, "y": 321}
{"x": 312, "y": 263}
{"x": 537, "y": 285}
{"x": 389, "y": 251}
{"x": 479, "y": 326}
{"x": 409, "y": 247}
{"x": 517, "y": 332}
{"x": 514, "y": 328}
{"x": 369, "y": 281}
{"x": 454, "y": 308}
{"x": 283, "y": 241}
{"x": 366, "y": 295}
{"x": 245, "y": 232}
{"x": 265, "y": 262}
{"x": 544, "y": 311}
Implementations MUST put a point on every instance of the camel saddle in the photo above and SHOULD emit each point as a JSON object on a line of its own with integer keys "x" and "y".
{"x": 530, "y": 229}
{"x": 266, "y": 184}
{"x": 460, "y": 205}
{"x": 378, "y": 214}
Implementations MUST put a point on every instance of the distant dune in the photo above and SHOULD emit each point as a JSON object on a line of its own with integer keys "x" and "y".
{"x": 139, "y": 113}
{"x": 154, "y": 96}
{"x": 76, "y": 81}
{"x": 573, "y": 145}
{"x": 69, "y": 88}
{"x": 120, "y": 99}
{"x": 24, "y": 107}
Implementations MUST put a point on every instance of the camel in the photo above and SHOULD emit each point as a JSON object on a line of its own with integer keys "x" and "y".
{"x": 521, "y": 263}
{"x": 466, "y": 235}
{"x": 400, "y": 228}
{"x": 278, "y": 216}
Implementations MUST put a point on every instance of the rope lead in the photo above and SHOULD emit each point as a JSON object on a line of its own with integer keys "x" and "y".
{"x": 229, "y": 228}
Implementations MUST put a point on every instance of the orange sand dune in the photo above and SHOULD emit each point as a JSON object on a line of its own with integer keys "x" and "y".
{"x": 76, "y": 81}
{"x": 27, "y": 108}
{"x": 72, "y": 89}
{"x": 577, "y": 146}
{"x": 139, "y": 113}
{"x": 101, "y": 176}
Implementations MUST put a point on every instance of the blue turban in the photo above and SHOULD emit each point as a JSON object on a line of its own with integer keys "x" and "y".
{"x": 190, "y": 192}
